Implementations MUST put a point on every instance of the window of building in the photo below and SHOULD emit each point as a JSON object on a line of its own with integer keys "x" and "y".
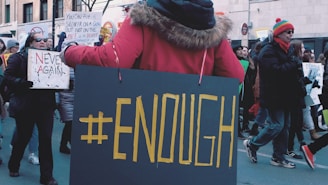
{"x": 260, "y": 1}
{"x": 60, "y": 9}
{"x": 28, "y": 13}
{"x": 77, "y": 5}
{"x": 44, "y": 10}
{"x": 7, "y": 12}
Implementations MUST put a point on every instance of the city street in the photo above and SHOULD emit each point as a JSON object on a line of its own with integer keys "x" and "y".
{"x": 29, "y": 174}
{"x": 247, "y": 173}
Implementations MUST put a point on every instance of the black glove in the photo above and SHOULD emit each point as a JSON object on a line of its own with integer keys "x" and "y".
{"x": 306, "y": 80}
{"x": 24, "y": 83}
{"x": 315, "y": 84}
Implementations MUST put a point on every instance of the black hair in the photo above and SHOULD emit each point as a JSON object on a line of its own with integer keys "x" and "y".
{"x": 237, "y": 48}
{"x": 4, "y": 46}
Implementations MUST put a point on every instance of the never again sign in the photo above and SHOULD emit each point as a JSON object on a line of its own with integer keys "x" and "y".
{"x": 46, "y": 70}
{"x": 153, "y": 128}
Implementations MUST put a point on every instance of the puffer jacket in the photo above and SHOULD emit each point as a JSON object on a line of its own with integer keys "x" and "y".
{"x": 278, "y": 78}
{"x": 162, "y": 44}
{"x": 66, "y": 100}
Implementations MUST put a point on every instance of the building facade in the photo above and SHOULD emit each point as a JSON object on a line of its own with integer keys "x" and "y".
{"x": 19, "y": 16}
{"x": 308, "y": 17}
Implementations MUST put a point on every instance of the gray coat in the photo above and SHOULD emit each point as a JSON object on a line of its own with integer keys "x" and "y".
{"x": 66, "y": 100}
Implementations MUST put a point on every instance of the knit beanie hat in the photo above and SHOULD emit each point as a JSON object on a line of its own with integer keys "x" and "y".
{"x": 12, "y": 43}
{"x": 196, "y": 14}
{"x": 281, "y": 26}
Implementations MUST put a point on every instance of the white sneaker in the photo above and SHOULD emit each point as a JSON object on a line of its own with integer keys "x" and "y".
{"x": 33, "y": 159}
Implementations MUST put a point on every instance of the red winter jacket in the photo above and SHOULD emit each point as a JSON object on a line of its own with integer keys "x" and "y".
{"x": 163, "y": 45}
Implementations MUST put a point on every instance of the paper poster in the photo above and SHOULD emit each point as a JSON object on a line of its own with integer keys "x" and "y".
{"x": 46, "y": 70}
{"x": 83, "y": 27}
{"x": 314, "y": 71}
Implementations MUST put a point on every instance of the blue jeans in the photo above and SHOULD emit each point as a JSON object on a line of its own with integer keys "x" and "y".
{"x": 276, "y": 131}
{"x": 33, "y": 143}
{"x": 261, "y": 116}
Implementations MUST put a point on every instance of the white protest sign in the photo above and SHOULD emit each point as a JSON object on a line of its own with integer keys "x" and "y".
{"x": 83, "y": 27}
{"x": 46, "y": 70}
{"x": 262, "y": 33}
{"x": 314, "y": 71}
{"x": 38, "y": 28}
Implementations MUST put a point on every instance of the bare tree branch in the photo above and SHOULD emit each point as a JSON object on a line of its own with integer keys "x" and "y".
{"x": 91, "y": 3}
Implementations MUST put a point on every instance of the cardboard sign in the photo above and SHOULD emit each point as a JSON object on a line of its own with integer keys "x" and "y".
{"x": 46, "y": 70}
{"x": 314, "y": 71}
{"x": 83, "y": 27}
{"x": 37, "y": 28}
{"x": 153, "y": 128}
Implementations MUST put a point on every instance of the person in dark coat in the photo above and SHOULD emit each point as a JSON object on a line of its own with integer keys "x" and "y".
{"x": 296, "y": 126}
{"x": 324, "y": 96}
{"x": 30, "y": 107}
{"x": 278, "y": 82}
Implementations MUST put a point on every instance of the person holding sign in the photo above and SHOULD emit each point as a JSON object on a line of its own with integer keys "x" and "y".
{"x": 169, "y": 36}
{"x": 30, "y": 107}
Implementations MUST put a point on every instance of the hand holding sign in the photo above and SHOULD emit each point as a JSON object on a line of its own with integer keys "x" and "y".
{"x": 26, "y": 84}
{"x": 65, "y": 46}
{"x": 23, "y": 84}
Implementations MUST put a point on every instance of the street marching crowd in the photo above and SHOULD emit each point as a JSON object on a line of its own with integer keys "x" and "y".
{"x": 283, "y": 89}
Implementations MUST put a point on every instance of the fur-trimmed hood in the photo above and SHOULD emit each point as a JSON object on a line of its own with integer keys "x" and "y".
{"x": 178, "y": 34}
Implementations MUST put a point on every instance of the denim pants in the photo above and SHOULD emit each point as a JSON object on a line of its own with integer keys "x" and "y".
{"x": 261, "y": 116}
{"x": 276, "y": 131}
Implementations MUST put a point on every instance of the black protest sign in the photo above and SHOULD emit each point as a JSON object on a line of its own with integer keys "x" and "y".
{"x": 153, "y": 128}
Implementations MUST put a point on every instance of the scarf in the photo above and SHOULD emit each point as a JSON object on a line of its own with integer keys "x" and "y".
{"x": 284, "y": 45}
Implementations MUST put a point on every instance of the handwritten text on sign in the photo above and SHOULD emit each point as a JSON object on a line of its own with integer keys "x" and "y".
{"x": 152, "y": 124}
{"x": 46, "y": 70}
{"x": 83, "y": 27}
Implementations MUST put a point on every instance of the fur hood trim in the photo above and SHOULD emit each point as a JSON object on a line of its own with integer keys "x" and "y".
{"x": 178, "y": 34}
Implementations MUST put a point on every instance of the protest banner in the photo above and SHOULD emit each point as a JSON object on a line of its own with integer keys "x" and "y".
{"x": 46, "y": 70}
{"x": 153, "y": 128}
{"x": 37, "y": 28}
{"x": 314, "y": 71}
{"x": 83, "y": 27}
